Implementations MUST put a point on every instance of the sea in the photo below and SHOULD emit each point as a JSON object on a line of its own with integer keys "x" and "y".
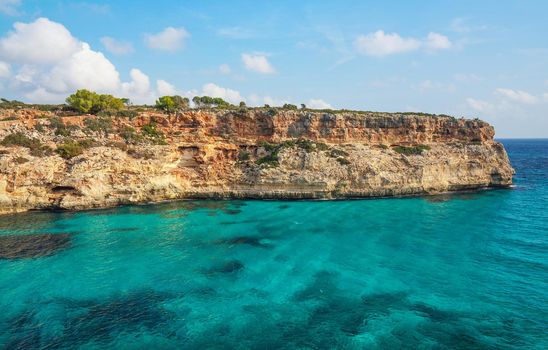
{"x": 452, "y": 271}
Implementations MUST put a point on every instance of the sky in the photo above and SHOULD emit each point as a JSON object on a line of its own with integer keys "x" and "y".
{"x": 485, "y": 59}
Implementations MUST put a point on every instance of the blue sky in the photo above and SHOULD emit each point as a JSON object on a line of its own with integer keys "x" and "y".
{"x": 486, "y": 59}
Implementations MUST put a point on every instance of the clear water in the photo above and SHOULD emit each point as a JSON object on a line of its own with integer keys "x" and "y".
{"x": 466, "y": 271}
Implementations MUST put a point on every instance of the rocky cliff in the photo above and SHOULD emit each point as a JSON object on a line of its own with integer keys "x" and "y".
{"x": 78, "y": 162}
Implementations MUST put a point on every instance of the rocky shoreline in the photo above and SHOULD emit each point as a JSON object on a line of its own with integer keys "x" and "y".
{"x": 75, "y": 162}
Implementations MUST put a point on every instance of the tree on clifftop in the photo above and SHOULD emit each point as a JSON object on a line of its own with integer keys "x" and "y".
{"x": 211, "y": 102}
{"x": 86, "y": 101}
{"x": 172, "y": 103}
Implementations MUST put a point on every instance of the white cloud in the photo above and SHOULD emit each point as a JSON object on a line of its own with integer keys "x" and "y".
{"x": 257, "y": 63}
{"x": 138, "y": 87}
{"x": 479, "y": 105}
{"x": 381, "y": 44}
{"x": 226, "y": 94}
{"x": 5, "y": 70}
{"x": 116, "y": 47}
{"x": 9, "y": 7}
{"x": 43, "y": 74}
{"x": 318, "y": 104}
{"x": 435, "y": 41}
{"x": 517, "y": 95}
{"x": 39, "y": 42}
{"x": 225, "y": 69}
{"x": 164, "y": 88}
{"x": 84, "y": 68}
{"x": 169, "y": 39}
{"x": 545, "y": 96}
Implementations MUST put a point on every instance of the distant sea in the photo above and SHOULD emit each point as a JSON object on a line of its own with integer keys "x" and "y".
{"x": 461, "y": 271}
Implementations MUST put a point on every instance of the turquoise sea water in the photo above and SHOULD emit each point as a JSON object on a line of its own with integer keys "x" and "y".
{"x": 463, "y": 271}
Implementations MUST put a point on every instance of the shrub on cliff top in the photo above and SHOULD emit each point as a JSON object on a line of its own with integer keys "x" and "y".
{"x": 98, "y": 124}
{"x": 86, "y": 101}
{"x": 72, "y": 148}
{"x": 60, "y": 128}
{"x": 290, "y": 106}
{"x": 34, "y": 145}
{"x": 69, "y": 149}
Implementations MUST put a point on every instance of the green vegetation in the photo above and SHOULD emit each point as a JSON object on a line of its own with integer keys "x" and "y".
{"x": 290, "y": 106}
{"x": 126, "y": 113}
{"x": 335, "y": 153}
{"x": 60, "y": 128}
{"x": 172, "y": 104}
{"x": 210, "y": 102}
{"x": 343, "y": 161}
{"x": 86, "y": 101}
{"x": 98, "y": 124}
{"x": 69, "y": 149}
{"x": 270, "y": 160}
{"x": 150, "y": 132}
{"x": 34, "y": 145}
{"x": 130, "y": 135}
{"x": 414, "y": 150}
{"x": 274, "y": 149}
{"x": 243, "y": 156}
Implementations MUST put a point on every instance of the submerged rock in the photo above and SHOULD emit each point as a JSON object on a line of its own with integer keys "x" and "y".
{"x": 33, "y": 245}
{"x": 229, "y": 267}
{"x": 245, "y": 240}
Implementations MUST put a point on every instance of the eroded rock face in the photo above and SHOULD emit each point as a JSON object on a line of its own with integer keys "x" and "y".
{"x": 223, "y": 154}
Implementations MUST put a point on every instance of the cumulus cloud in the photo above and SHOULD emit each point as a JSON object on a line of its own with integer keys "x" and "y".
{"x": 43, "y": 74}
{"x": 381, "y": 44}
{"x": 170, "y": 39}
{"x": 225, "y": 69}
{"x": 9, "y": 7}
{"x": 39, "y": 42}
{"x": 226, "y": 94}
{"x": 517, "y": 95}
{"x": 116, "y": 47}
{"x": 318, "y": 104}
{"x": 84, "y": 68}
{"x": 164, "y": 88}
{"x": 257, "y": 63}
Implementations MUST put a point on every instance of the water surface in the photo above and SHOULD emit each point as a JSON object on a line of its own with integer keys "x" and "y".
{"x": 466, "y": 271}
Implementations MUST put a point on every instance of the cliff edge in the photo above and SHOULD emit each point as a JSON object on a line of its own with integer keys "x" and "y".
{"x": 57, "y": 161}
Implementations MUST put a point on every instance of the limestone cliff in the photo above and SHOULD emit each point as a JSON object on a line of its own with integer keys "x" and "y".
{"x": 78, "y": 162}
